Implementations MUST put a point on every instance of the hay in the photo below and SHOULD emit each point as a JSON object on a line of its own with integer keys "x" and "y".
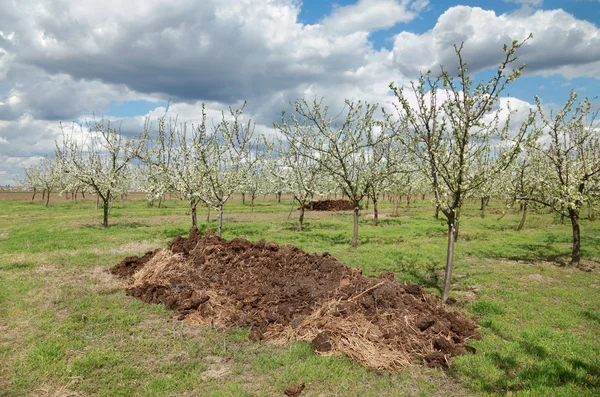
{"x": 358, "y": 337}
{"x": 163, "y": 269}
{"x": 285, "y": 294}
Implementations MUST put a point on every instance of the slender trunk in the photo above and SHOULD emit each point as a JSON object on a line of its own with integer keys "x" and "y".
{"x": 83, "y": 194}
{"x": 243, "y": 198}
{"x": 193, "y": 205}
{"x": 105, "y": 207}
{"x": 97, "y": 201}
{"x": 449, "y": 261}
{"x": 591, "y": 215}
{"x": 292, "y": 209}
{"x": 408, "y": 202}
{"x": 483, "y": 205}
{"x": 43, "y": 194}
{"x": 562, "y": 219}
{"x": 422, "y": 197}
{"x": 301, "y": 219}
{"x": 220, "y": 221}
{"x": 279, "y": 197}
{"x": 375, "y": 211}
{"x": 523, "y": 217}
{"x": 437, "y": 211}
{"x": 160, "y": 199}
{"x": 207, "y": 213}
{"x": 252, "y": 200}
{"x": 576, "y": 255}
{"x": 456, "y": 223}
{"x": 355, "y": 233}
{"x": 34, "y": 193}
{"x": 47, "y": 198}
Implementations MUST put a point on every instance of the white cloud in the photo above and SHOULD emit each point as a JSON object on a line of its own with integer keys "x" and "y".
{"x": 561, "y": 43}
{"x": 526, "y": 2}
{"x": 62, "y": 60}
{"x": 371, "y": 15}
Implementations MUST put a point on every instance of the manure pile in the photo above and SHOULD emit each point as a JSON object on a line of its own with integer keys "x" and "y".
{"x": 330, "y": 205}
{"x": 283, "y": 293}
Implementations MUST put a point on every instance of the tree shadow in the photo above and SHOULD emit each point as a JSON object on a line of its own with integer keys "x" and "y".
{"x": 427, "y": 278}
{"x": 541, "y": 368}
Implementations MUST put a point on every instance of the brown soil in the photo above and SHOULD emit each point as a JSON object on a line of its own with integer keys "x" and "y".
{"x": 283, "y": 293}
{"x": 330, "y": 205}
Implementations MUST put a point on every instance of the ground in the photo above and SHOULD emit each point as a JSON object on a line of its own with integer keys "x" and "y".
{"x": 67, "y": 326}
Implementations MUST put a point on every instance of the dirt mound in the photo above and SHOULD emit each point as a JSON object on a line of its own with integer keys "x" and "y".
{"x": 330, "y": 205}
{"x": 283, "y": 293}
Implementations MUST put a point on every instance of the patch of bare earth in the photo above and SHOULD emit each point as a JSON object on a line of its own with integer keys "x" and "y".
{"x": 217, "y": 367}
{"x": 283, "y": 293}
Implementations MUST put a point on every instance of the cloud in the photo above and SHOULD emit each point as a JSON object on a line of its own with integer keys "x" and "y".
{"x": 372, "y": 15}
{"x": 536, "y": 3}
{"x": 561, "y": 43}
{"x": 64, "y": 60}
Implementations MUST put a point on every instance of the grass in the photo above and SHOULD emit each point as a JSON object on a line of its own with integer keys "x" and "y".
{"x": 67, "y": 328}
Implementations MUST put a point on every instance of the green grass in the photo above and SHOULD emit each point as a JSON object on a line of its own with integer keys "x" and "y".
{"x": 67, "y": 326}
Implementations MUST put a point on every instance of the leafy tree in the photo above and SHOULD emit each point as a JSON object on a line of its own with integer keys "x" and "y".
{"x": 299, "y": 172}
{"x": 31, "y": 179}
{"x": 99, "y": 158}
{"x": 345, "y": 151}
{"x": 569, "y": 146}
{"x": 446, "y": 135}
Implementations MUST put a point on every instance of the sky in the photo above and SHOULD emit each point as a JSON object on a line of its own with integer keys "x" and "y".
{"x": 67, "y": 61}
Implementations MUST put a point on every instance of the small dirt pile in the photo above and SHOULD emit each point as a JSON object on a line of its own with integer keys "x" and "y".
{"x": 330, "y": 205}
{"x": 283, "y": 293}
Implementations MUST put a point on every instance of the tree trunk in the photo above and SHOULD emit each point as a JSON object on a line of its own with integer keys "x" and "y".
{"x": 105, "y": 207}
{"x": 355, "y": 232}
{"x": 34, "y": 193}
{"x": 160, "y": 199}
{"x": 207, "y": 213}
{"x": 591, "y": 215}
{"x": 449, "y": 261}
{"x": 483, "y": 205}
{"x": 301, "y": 219}
{"x": 47, "y": 198}
{"x": 576, "y": 255}
{"x": 408, "y": 202}
{"x": 437, "y": 211}
{"x": 252, "y": 200}
{"x": 422, "y": 197}
{"x": 83, "y": 194}
{"x": 279, "y": 197}
{"x": 523, "y": 217}
{"x": 97, "y": 201}
{"x": 194, "y": 215}
{"x": 562, "y": 219}
{"x": 243, "y": 198}
{"x": 220, "y": 221}
{"x": 456, "y": 224}
{"x": 43, "y": 194}
{"x": 375, "y": 211}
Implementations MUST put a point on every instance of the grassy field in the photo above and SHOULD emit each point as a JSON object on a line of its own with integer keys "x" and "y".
{"x": 67, "y": 327}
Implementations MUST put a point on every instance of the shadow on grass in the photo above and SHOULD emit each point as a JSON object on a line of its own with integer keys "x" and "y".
{"x": 427, "y": 278}
{"x": 541, "y": 368}
{"x": 115, "y": 225}
{"x": 541, "y": 252}
{"x": 591, "y": 316}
